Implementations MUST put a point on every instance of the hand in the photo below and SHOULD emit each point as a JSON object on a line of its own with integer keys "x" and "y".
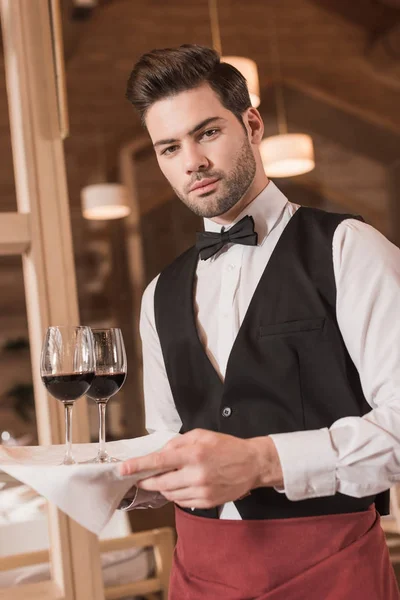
{"x": 204, "y": 469}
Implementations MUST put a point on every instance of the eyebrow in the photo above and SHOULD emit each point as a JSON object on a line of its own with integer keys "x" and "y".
{"x": 191, "y": 132}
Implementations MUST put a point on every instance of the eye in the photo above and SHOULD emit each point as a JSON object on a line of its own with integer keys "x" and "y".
{"x": 169, "y": 150}
{"x": 209, "y": 133}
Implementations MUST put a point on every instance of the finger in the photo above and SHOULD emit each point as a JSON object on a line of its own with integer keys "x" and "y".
{"x": 187, "y": 494}
{"x": 170, "y": 481}
{"x": 163, "y": 460}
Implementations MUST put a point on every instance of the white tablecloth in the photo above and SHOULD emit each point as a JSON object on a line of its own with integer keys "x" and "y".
{"x": 87, "y": 492}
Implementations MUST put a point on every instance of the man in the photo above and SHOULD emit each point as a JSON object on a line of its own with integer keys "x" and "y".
{"x": 273, "y": 347}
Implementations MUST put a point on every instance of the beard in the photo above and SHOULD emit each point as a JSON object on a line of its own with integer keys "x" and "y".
{"x": 232, "y": 186}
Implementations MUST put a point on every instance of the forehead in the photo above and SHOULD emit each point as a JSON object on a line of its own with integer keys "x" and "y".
{"x": 174, "y": 116}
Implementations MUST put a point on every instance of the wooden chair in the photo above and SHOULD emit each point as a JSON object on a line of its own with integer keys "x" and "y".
{"x": 391, "y": 525}
{"x": 161, "y": 540}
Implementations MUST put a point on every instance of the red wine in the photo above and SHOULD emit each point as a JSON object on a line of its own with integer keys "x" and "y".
{"x": 68, "y": 388}
{"x": 106, "y": 385}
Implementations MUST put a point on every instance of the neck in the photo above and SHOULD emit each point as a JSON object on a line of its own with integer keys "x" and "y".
{"x": 257, "y": 186}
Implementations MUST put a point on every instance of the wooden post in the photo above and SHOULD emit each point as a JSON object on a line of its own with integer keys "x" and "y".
{"x": 134, "y": 419}
{"x": 48, "y": 262}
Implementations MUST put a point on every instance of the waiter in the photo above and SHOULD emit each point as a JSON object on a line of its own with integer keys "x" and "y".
{"x": 273, "y": 346}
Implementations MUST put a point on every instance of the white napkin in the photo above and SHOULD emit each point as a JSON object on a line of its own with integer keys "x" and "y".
{"x": 87, "y": 492}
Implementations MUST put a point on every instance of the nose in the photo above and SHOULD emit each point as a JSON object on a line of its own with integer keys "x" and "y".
{"x": 195, "y": 159}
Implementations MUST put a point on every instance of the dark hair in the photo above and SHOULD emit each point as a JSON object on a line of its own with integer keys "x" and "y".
{"x": 169, "y": 71}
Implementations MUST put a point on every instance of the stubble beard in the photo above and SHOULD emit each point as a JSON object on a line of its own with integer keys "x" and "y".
{"x": 234, "y": 186}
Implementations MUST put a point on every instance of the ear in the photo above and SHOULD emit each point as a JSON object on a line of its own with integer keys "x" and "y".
{"x": 254, "y": 125}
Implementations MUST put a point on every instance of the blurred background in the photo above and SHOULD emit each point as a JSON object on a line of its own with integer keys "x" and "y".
{"x": 327, "y": 69}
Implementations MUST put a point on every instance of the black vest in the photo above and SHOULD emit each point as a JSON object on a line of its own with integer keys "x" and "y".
{"x": 289, "y": 369}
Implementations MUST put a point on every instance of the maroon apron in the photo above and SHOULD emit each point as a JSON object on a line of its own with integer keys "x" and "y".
{"x": 332, "y": 557}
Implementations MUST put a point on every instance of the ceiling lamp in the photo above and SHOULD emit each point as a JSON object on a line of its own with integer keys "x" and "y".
{"x": 285, "y": 154}
{"x": 246, "y": 66}
{"x": 105, "y": 201}
{"x": 248, "y": 69}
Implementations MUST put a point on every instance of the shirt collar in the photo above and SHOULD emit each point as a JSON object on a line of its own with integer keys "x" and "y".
{"x": 265, "y": 209}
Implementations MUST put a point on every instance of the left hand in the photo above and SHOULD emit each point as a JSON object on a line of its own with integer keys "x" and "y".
{"x": 203, "y": 469}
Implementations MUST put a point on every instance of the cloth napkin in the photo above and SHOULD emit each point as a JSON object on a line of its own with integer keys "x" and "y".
{"x": 87, "y": 492}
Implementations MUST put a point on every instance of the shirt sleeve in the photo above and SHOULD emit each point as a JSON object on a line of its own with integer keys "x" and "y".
{"x": 357, "y": 456}
{"x": 160, "y": 410}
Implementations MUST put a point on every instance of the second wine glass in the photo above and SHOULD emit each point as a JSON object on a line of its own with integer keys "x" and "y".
{"x": 109, "y": 377}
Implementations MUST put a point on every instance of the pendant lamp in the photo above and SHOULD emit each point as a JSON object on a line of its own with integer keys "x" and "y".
{"x": 285, "y": 154}
{"x": 246, "y": 66}
{"x": 100, "y": 200}
{"x": 105, "y": 201}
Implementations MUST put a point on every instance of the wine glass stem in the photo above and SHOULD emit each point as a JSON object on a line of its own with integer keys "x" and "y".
{"x": 68, "y": 458}
{"x": 102, "y": 430}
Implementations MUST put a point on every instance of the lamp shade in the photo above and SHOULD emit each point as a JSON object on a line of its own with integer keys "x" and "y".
{"x": 248, "y": 68}
{"x": 288, "y": 154}
{"x": 103, "y": 201}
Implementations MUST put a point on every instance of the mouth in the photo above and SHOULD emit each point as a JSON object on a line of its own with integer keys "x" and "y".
{"x": 204, "y": 186}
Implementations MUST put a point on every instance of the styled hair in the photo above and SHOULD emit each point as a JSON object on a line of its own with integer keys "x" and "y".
{"x": 166, "y": 72}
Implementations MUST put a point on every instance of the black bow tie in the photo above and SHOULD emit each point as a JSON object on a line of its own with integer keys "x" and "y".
{"x": 209, "y": 243}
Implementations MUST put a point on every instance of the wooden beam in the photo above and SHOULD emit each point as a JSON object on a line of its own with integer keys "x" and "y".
{"x": 310, "y": 112}
{"x": 384, "y": 52}
{"x": 369, "y": 117}
{"x": 15, "y": 236}
{"x": 371, "y": 14}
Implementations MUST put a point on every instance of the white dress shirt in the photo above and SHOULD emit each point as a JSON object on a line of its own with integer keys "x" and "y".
{"x": 357, "y": 456}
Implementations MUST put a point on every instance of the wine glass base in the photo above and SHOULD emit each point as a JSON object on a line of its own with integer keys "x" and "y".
{"x": 68, "y": 461}
{"x": 105, "y": 459}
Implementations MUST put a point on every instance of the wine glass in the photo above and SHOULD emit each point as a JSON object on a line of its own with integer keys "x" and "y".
{"x": 109, "y": 377}
{"x": 67, "y": 369}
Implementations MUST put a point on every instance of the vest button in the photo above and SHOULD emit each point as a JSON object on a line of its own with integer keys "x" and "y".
{"x": 226, "y": 412}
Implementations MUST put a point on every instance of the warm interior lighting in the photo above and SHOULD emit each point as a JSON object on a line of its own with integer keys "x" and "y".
{"x": 285, "y": 154}
{"x": 104, "y": 201}
{"x": 288, "y": 154}
{"x": 248, "y": 68}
